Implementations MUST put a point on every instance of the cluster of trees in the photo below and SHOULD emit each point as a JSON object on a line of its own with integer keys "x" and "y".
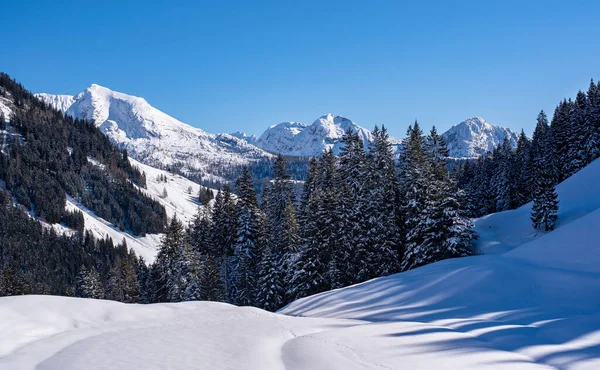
{"x": 508, "y": 178}
{"x": 360, "y": 216}
{"x": 34, "y": 259}
{"x": 45, "y": 157}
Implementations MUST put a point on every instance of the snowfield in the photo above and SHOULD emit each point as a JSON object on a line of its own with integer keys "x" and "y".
{"x": 535, "y": 306}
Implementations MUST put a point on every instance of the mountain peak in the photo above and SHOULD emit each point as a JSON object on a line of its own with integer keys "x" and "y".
{"x": 299, "y": 139}
{"x": 153, "y": 136}
{"x": 475, "y": 136}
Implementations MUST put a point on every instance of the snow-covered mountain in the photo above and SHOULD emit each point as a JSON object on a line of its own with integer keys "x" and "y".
{"x": 154, "y": 137}
{"x": 468, "y": 139}
{"x": 474, "y": 137}
{"x": 299, "y": 139}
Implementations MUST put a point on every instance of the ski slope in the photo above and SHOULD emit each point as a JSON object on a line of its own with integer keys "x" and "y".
{"x": 536, "y": 306}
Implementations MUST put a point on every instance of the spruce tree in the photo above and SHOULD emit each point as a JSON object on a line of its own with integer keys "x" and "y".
{"x": 249, "y": 236}
{"x": 545, "y": 199}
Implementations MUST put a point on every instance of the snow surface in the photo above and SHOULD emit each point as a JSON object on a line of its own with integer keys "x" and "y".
{"x": 578, "y": 196}
{"x": 534, "y": 307}
{"x": 475, "y": 137}
{"x": 540, "y": 300}
{"x": 154, "y": 137}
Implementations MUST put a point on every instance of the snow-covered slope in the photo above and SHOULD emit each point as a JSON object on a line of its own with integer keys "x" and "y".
{"x": 474, "y": 137}
{"x": 299, "y": 139}
{"x": 535, "y": 307}
{"x": 540, "y": 300}
{"x": 578, "y": 196}
{"x": 181, "y": 201}
{"x": 154, "y": 137}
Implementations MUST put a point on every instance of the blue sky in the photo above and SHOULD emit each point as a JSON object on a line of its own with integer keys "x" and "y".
{"x": 244, "y": 65}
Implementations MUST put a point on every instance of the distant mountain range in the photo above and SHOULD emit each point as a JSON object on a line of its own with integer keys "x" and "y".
{"x": 468, "y": 139}
{"x": 158, "y": 139}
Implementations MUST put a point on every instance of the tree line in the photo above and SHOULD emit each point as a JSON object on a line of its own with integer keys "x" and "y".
{"x": 359, "y": 216}
{"x": 508, "y": 178}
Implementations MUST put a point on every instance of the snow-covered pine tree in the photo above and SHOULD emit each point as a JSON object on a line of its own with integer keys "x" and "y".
{"x": 440, "y": 229}
{"x": 249, "y": 235}
{"x": 504, "y": 180}
{"x": 415, "y": 182}
{"x": 167, "y": 265}
{"x": 89, "y": 283}
{"x": 269, "y": 293}
{"x": 576, "y": 155}
{"x": 312, "y": 270}
{"x": 545, "y": 200}
{"x": 143, "y": 277}
{"x": 561, "y": 134}
{"x": 281, "y": 225}
{"x": 378, "y": 205}
{"x": 223, "y": 236}
{"x": 200, "y": 232}
{"x": 211, "y": 286}
{"x": 350, "y": 254}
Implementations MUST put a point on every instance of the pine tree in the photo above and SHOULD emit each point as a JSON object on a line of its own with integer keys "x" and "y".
{"x": 143, "y": 277}
{"x": 313, "y": 268}
{"x": 380, "y": 229}
{"x": 223, "y": 238}
{"x": 281, "y": 222}
{"x": 576, "y": 155}
{"x": 248, "y": 243}
{"x": 167, "y": 265}
{"x": 545, "y": 200}
{"x": 561, "y": 134}
{"x": 593, "y": 123}
{"x": 437, "y": 224}
{"x": 211, "y": 286}
{"x": 415, "y": 183}
{"x": 89, "y": 284}
{"x": 522, "y": 178}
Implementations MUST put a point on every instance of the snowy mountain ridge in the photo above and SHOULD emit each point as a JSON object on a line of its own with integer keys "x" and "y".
{"x": 475, "y": 136}
{"x": 158, "y": 139}
{"x": 468, "y": 139}
{"x": 152, "y": 136}
{"x": 299, "y": 139}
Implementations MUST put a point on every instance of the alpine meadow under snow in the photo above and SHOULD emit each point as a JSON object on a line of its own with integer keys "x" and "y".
{"x": 535, "y": 307}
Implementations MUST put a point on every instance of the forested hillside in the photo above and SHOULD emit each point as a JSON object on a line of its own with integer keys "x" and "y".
{"x": 49, "y": 156}
{"x": 45, "y": 158}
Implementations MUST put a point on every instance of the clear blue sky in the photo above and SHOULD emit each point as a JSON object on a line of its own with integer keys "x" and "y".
{"x": 244, "y": 65}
